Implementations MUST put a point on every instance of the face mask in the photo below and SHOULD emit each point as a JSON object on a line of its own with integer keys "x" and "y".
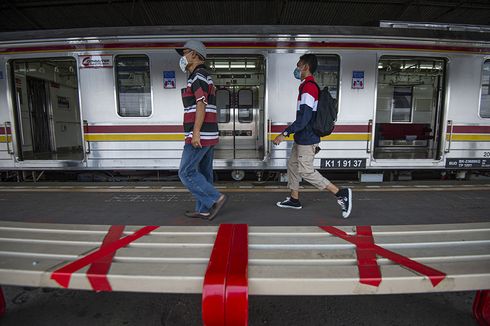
{"x": 297, "y": 73}
{"x": 183, "y": 63}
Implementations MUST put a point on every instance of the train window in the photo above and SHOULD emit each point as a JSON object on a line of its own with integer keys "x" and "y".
{"x": 223, "y": 105}
{"x": 133, "y": 85}
{"x": 245, "y": 106}
{"x": 327, "y": 73}
{"x": 485, "y": 91}
{"x": 402, "y": 104}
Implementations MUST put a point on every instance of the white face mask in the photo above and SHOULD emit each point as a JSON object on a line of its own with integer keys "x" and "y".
{"x": 183, "y": 63}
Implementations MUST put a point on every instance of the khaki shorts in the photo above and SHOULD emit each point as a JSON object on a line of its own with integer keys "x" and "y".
{"x": 300, "y": 166}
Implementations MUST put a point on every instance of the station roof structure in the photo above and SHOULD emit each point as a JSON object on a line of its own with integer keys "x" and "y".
{"x": 22, "y": 15}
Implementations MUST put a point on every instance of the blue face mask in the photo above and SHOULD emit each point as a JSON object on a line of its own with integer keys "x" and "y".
{"x": 297, "y": 73}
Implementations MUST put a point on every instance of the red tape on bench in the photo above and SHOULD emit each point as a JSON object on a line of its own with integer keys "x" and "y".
{"x": 3, "y": 305}
{"x": 236, "y": 293}
{"x": 63, "y": 275}
{"x": 97, "y": 273}
{"x": 434, "y": 275}
{"x": 225, "y": 288}
{"x": 481, "y": 307}
{"x": 213, "y": 292}
{"x": 369, "y": 272}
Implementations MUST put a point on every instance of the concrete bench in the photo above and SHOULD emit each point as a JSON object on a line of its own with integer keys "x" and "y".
{"x": 229, "y": 262}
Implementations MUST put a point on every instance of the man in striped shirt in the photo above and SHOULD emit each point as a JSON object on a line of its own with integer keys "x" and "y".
{"x": 300, "y": 164}
{"x": 201, "y": 132}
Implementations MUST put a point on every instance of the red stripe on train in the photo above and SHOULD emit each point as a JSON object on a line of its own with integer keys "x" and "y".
{"x": 470, "y": 129}
{"x": 338, "y": 128}
{"x": 134, "y": 129}
{"x": 2, "y": 130}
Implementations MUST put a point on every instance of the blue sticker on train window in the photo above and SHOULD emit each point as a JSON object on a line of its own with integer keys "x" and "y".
{"x": 1, "y": 74}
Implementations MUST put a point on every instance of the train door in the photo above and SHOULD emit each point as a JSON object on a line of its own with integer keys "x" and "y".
{"x": 240, "y": 93}
{"x": 409, "y": 108}
{"x": 47, "y": 114}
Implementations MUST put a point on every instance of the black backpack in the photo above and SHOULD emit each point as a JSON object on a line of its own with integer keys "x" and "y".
{"x": 326, "y": 113}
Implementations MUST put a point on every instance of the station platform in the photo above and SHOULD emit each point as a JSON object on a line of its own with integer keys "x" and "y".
{"x": 410, "y": 202}
{"x": 414, "y": 202}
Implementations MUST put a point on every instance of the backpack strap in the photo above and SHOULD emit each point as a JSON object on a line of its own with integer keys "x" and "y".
{"x": 310, "y": 81}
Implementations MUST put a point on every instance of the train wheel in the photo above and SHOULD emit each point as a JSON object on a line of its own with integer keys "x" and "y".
{"x": 238, "y": 175}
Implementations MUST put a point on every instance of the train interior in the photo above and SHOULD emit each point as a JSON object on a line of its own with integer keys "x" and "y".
{"x": 47, "y": 112}
{"x": 409, "y": 109}
{"x": 240, "y": 83}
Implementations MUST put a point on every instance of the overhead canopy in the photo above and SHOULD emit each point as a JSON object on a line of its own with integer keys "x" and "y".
{"x": 54, "y": 14}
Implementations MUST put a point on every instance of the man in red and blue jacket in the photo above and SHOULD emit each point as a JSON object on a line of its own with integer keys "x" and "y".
{"x": 300, "y": 164}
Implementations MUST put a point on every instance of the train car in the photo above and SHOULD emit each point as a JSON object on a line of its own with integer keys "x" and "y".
{"x": 110, "y": 99}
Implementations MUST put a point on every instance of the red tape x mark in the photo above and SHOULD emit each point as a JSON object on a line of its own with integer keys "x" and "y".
{"x": 102, "y": 257}
{"x": 225, "y": 290}
{"x": 366, "y": 250}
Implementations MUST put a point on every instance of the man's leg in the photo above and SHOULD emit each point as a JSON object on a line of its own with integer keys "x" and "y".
{"x": 198, "y": 185}
{"x": 206, "y": 169}
{"x": 306, "y": 157}
{"x": 293, "y": 182}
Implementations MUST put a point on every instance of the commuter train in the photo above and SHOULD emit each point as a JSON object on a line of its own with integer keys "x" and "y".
{"x": 110, "y": 99}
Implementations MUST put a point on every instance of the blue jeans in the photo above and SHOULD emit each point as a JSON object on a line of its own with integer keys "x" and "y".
{"x": 196, "y": 173}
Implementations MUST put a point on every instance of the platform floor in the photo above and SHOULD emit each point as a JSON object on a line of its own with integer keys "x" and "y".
{"x": 164, "y": 204}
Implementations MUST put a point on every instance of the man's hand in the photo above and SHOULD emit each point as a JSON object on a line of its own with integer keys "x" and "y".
{"x": 278, "y": 139}
{"x": 196, "y": 140}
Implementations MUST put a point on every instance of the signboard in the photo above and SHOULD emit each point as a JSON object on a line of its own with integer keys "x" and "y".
{"x": 468, "y": 163}
{"x": 358, "y": 79}
{"x": 96, "y": 61}
{"x": 343, "y": 163}
{"x": 168, "y": 79}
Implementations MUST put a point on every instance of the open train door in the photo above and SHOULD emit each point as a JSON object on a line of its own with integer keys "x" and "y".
{"x": 409, "y": 120}
{"x": 240, "y": 92}
{"x": 48, "y": 126}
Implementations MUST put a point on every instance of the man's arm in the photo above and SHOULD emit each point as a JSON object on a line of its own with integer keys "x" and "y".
{"x": 200, "y": 114}
{"x": 307, "y": 102}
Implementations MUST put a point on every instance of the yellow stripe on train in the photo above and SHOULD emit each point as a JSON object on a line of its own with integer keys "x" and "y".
{"x": 468, "y": 137}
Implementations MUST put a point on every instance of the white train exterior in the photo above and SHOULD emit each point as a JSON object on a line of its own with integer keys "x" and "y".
{"x": 110, "y": 99}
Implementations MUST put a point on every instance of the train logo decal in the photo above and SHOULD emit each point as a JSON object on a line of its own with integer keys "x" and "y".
{"x": 96, "y": 61}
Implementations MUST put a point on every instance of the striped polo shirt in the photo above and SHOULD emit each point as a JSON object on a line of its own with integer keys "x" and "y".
{"x": 200, "y": 86}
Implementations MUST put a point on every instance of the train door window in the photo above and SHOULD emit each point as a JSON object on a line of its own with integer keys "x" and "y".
{"x": 47, "y": 112}
{"x": 327, "y": 73}
{"x": 223, "y": 105}
{"x": 409, "y": 108}
{"x": 401, "y": 109}
{"x": 245, "y": 106}
{"x": 485, "y": 91}
{"x": 133, "y": 85}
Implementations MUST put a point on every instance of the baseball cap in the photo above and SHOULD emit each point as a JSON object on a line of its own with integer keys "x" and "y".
{"x": 194, "y": 45}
